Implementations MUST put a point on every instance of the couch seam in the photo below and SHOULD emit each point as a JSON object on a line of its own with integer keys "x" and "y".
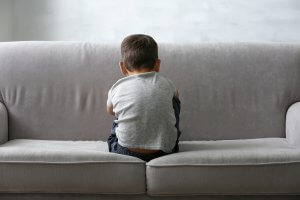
{"x": 67, "y": 192}
{"x": 70, "y": 163}
{"x": 222, "y": 194}
{"x": 217, "y": 165}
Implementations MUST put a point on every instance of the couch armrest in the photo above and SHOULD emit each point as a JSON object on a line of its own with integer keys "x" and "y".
{"x": 3, "y": 124}
{"x": 292, "y": 126}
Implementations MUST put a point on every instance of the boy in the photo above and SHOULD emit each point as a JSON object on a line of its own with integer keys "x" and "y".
{"x": 145, "y": 104}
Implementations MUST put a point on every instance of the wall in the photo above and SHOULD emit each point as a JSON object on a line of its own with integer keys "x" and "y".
{"x": 5, "y": 20}
{"x": 165, "y": 20}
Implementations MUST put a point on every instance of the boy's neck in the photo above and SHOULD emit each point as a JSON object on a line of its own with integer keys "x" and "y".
{"x": 139, "y": 71}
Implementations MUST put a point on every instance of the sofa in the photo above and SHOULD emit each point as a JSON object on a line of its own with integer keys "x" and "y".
{"x": 240, "y": 123}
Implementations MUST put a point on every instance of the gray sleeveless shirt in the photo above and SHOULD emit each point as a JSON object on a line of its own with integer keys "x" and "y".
{"x": 143, "y": 105}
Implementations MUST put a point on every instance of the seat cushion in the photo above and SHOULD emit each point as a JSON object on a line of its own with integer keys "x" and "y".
{"x": 249, "y": 166}
{"x": 68, "y": 167}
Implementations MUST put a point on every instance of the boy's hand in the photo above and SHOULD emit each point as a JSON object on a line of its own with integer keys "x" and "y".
{"x": 109, "y": 110}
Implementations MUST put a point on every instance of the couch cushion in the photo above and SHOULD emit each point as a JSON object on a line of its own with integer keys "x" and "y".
{"x": 230, "y": 90}
{"x": 68, "y": 167}
{"x": 251, "y": 166}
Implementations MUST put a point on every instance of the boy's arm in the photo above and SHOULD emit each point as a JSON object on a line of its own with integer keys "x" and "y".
{"x": 109, "y": 110}
{"x": 109, "y": 105}
{"x": 177, "y": 94}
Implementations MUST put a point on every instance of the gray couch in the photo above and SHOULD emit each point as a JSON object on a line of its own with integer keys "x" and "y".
{"x": 240, "y": 123}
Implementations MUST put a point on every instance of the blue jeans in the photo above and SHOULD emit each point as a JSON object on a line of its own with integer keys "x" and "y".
{"x": 115, "y": 147}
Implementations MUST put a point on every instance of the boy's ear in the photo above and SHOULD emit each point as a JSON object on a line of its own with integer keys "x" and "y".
{"x": 157, "y": 65}
{"x": 123, "y": 68}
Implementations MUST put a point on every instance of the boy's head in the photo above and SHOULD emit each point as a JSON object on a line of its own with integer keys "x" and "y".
{"x": 139, "y": 52}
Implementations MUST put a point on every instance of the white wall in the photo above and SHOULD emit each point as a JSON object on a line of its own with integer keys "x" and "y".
{"x": 165, "y": 20}
{"x": 5, "y": 20}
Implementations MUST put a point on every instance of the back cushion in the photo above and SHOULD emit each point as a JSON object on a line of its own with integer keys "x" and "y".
{"x": 58, "y": 90}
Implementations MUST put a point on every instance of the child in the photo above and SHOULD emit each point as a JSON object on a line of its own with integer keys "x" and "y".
{"x": 145, "y": 103}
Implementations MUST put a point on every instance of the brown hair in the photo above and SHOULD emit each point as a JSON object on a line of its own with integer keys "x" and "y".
{"x": 139, "y": 51}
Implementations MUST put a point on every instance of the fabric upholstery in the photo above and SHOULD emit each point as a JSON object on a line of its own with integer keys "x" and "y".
{"x": 58, "y": 90}
{"x": 3, "y": 124}
{"x": 233, "y": 90}
{"x": 293, "y": 124}
{"x": 54, "y": 94}
{"x": 240, "y": 167}
{"x": 35, "y": 166}
{"x": 39, "y": 196}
